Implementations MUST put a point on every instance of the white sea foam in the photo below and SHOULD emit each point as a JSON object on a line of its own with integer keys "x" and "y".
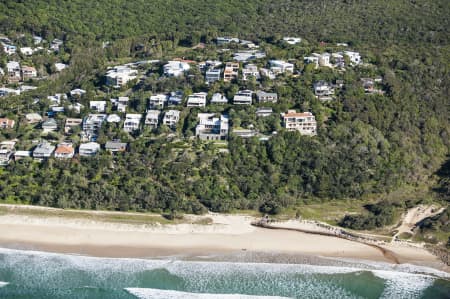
{"x": 166, "y": 294}
{"x": 403, "y": 285}
{"x": 3, "y": 284}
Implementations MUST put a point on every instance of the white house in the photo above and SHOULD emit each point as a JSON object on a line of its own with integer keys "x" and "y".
{"x": 280, "y": 66}
{"x": 89, "y": 149}
{"x": 243, "y": 97}
{"x": 132, "y": 122}
{"x": 212, "y": 127}
{"x": 97, "y": 106}
{"x": 60, "y": 66}
{"x": 212, "y": 75}
{"x": 264, "y": 111}
{"x": 323, "y": 89}
{"x": 14, "y": 71}
{"x": 250, "y": 71}
{"x": 219, "y": 98}
{"x": 77, "y": 92}
{"x": 152, "y": 118}
{"x": 92, "y": 123}
{"x": 49, "y": 125}
{"x": 197, "y": 100}
{"x": 171, "y": 118}
{"x": 43, "y": 151}
{"x": 9, "y": 49}
{"x": 292, "y": 40}
{"x": 113, "y": 118}
{"x": 176, "y": 68}
{"x": 56, "y": 99}
{"x": 28, "y": 72}
{"x": 6, "y": 151}
{"x": 158, "y": 101}
{"x": 64, "y": 151}
{"x": 27, "y": 51}
{"x": 226, "y": 40}
{"x": 305, "y": 122}
{"x": 120, "y": 76}
{"x": 266, "y": 97}
{"x": 355, "y": 57}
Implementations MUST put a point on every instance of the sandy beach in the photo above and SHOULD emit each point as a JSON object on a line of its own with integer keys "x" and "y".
{"x": 226, "y": 234}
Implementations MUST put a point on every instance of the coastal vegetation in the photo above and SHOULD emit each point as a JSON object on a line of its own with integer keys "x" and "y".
{"x": 367, "y": 145}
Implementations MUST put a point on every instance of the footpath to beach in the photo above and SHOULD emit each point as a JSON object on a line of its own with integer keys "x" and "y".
{"x": 194, "y": 236}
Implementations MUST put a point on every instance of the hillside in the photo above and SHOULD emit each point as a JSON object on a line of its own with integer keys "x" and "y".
{"x": 368, "y": 145}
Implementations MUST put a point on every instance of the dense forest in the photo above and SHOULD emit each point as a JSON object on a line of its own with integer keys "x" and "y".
{"x": 366, "y": 144}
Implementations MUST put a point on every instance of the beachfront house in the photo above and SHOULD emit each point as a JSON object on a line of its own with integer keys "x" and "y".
{"x": 304, "y": 122}
{"x": 197, "y": 100}
{"x": 89, "y": 149}
{"x": 243, "y": 97}
{"x": 171, "y": 118}
{"x": 266, "y": 97}
{"x": 212, "y": 127}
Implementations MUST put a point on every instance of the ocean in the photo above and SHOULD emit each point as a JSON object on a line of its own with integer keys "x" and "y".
{"x": 33, "y": 274}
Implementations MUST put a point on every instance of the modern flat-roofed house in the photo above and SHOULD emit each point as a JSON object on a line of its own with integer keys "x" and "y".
{"x": 9, "y": 49}
{"x": 264, "y": 111}
{"x": 6, "y": 151}
{"x": 171, "y": 118}
{"x": 49, "y": 125}
{"x": 14, "y": 71}
{"x": 43, "y": 150}
{"x": 28, "y": 72}
{"x": 231, "y": 71}
{"x": 219, "y": 98}
{"x": 304, "y": 122}
{"x": 6, "y": 123}
{"x": 152, "y": 118}
{"x": 250, "y": 71}
{"x": 89, "y": 149}
{"x": 226, "y": 40}
{"x": 197, "y": 100}
{"x": 212, "y": 127}
{"x": 132, "y": 122}
{"x": 33, "y": 118}
{"x": 292, "y": 40}
{"x": 245, "y": 133}
{"x": 175, "y": 98}
{"x": 213, "y": 75}
{"x": 176, "y": 68}
{"x": 323, "y": 90}
{"x": 120, "y": 76}
{"x": 158, "y": 101}
{"x": 77, "y": 92}
{"x": 64, "y": 151}
{"x": 92, "y": 124}
{"x": 355, "y": 57}
{"x": 116, "y": 146}
{"x": 280, "y": 66}
{"x": 98, "y": 106}
{"x": 22, "y": 154}
{"x": 243, "y": 97}
{"x": 266, "y": 97}
{"x": 72, "y": 123}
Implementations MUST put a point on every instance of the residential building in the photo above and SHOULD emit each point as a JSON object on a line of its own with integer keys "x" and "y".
{"x": 89, "y": 149}
{"x": 77, "y": 92}
{"x": 226, "y": 40}
{"x": 355, "y": 57}
{"x": 43, "y": 150}
{"x": 292, "y": 40}
{"x": 64, "y": 151}
{"x": 14, "y": 71}
{"x": 196, "y": 100}
{"x": 98, "y": 106}
{"x": 113, "y": 118}
{"x": 6, "y": 151}
{"x": 243, "y": 97}
{"x": 242, "y": 56}
{"x": 176, "y": 68}
{"x": 56, "y": 99}
{"x": 212, "y": 75}
{"x": 76, "y": 107}
{"x": 6, "y": 123}
{"x": 231, "y": 71}
{"x": 152, "y": 118}
{"x": 49, "y": 125}
{"x": 264, "y": 111}
{"x": 171, "y": 118}
{"x": 175, "y": 98}
{"x": 37, "y": 39}
{"x": 9, "y": 49}
{"x": 33, "y": 118}
{"x": 22, "y": 154}
{"x": 132, "y": 122}
{"x": 26, "y": 51}
{"x": 219, "y": 98}
{"x": 250, "y": 71}
{"x": 323, "y": 90}
{"x": 92, "y": 124}
{"x": 212, "y": 127}
{"x": 120, "y": 76}
{"x": 56, "y": 44}
{"x": 267, "y": 73}
{"x": 8, "y": 91}
{"x": 60, "y": 66}
{"x": 116, "y": 146}
{"x": 158, "y": 101}
{"x": 245, "y": 133}
{"x": 280, "y": 66}
{"x": 266, "y": 97}
{"x": 28, "y": 72}
{"x": 304, "y": 122}
{"x": 71, "y": 124}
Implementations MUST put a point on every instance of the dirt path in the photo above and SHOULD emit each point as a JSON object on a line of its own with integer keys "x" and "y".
{"x": 415, "y": 215}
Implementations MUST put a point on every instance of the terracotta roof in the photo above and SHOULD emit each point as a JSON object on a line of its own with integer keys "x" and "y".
{"x": 64, "y": 149}
{"x": 298, "y": 114}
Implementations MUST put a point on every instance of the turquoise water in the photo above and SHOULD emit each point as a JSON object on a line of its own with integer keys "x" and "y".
{"x": 31, "y": 274}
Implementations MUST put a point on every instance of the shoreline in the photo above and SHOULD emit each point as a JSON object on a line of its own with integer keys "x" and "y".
{"x": 227, "y": 234}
